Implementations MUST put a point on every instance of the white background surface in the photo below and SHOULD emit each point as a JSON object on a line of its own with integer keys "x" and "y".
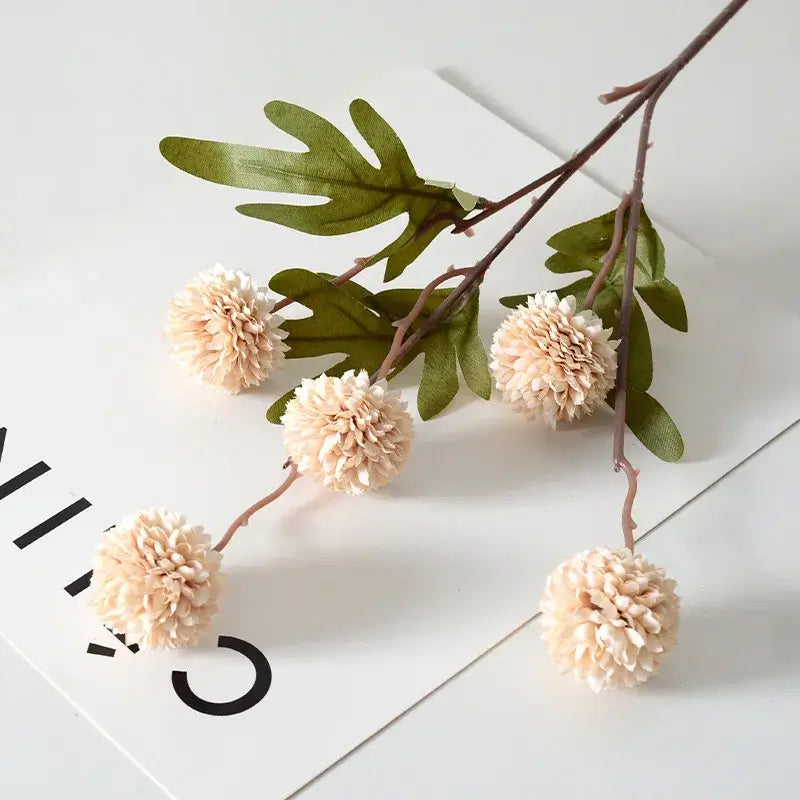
{"x": 722, "y": 174}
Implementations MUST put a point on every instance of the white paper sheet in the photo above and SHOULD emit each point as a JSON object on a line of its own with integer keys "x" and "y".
{"x": 361, "y": 606}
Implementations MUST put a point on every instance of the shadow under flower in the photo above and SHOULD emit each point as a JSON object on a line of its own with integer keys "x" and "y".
{"x": 323, "y": 596}
{"x": 753, "y": 639}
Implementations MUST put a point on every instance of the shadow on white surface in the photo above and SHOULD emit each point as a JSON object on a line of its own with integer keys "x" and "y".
{"x": 325, "y": 596}
{"x": 754, "y": 639}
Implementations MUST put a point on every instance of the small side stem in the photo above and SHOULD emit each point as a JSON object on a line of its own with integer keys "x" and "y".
{"x": 613, "y": 251}
{"x": 244, "y": 517}
{"x": 406, "y": 322}
{"x": 620, "y": 92}
{"x": 628, "y": 525}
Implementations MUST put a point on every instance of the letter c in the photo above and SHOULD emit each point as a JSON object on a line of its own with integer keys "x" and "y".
{"x": 252, "y": 697}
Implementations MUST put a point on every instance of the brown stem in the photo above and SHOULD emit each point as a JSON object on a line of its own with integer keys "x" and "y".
{"x": 613, "y": 251}
{"x": 620, "y": 92}
{"x": 407, "y": 321}
{"x": 628, "y": 525}
{"x": 244, "y": 517}
{"x": 620, "y": 402}
{"x": 640, "y": 98}
{"x": 359, "y": 265}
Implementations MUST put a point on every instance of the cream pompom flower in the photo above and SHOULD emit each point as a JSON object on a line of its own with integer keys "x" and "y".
{"x": 346, "y": 433}
{"x": 609, "y": 617}
{"x": 156, "y": 580}
{"x": 552, "y": 363}
{"x": 221, "y": 327}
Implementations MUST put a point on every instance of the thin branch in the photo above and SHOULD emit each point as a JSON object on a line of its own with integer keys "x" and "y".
{"x": 636, "y": 102}
{"x": 359, "y": 265}
{"x": 406, "y": 322}
{"x": 244, "y": 517}
{"x": 620, "y": 92}
{"x": 628, "y": 525}
{"x": 613, "y": 251}
{"x": 620, "y": 460}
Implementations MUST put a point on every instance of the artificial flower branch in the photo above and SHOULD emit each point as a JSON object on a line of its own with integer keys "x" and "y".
{"x": 608, "y": 616}
{"x": 395, "y": 353}
{"x": 403, "y": 325}
{"x": 644, "y": 90}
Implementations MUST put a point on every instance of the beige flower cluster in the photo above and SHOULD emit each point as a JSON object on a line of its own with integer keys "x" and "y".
{"x": 156, "y": 580}
{"x": 350, "y": 435}
{"x": 222, "y": 329}
{"x": 609, "y": 617}
{"x": 552, "y": 363}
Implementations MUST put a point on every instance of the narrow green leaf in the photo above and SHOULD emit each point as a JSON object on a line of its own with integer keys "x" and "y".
{"x": 514, "y": 300}
{"x": 652, "y": 425}
{"x": 471, "y": 352}
{"x": 358, "y": 194}
{"x": 579, "y": 288}
{"x": 590, "y": 237}
{"x": 640, "y": 351}
{"x": 438, "y": 384}
{"x": 562, "y": 263}
{"x": 277, "y": 409}
{"x": 459, "y": 332}
{"x": 666, "y": 302}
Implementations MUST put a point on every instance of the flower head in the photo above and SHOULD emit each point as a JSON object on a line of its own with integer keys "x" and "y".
{"x": 609, "y": 617}
{"x": 221, "y": 328}
{"x": 551, "y": 362}
{"x": 156, "y": 579}
{"x": 348, "y": 434}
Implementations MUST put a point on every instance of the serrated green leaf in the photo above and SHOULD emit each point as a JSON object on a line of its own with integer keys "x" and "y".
{"x": 652, "y": 425}
{"x": 351, "y": 321}
{"x": 359, "y": 194}
{"x": 665, "y": 300}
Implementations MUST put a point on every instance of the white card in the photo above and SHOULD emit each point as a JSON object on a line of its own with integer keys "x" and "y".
{"x": 351, "y": 609}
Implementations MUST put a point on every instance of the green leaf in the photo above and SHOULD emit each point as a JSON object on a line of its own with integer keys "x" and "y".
{"x": 562, "y": 263}
{"x": 359, "y": 194}
{"x": 340, "y": 323}
{"x": 666, "y": 302}
{"x": 351, "y": 321}
{"x": 582, "y": 247}
{"x": 438, "y": 384}
{"x": 579, "y": 288}
{"x": 652, "y": 425}
{"x": 591, "y": 237}
{"x": 455, "y": 341}
{"x": 470, "y": 350}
